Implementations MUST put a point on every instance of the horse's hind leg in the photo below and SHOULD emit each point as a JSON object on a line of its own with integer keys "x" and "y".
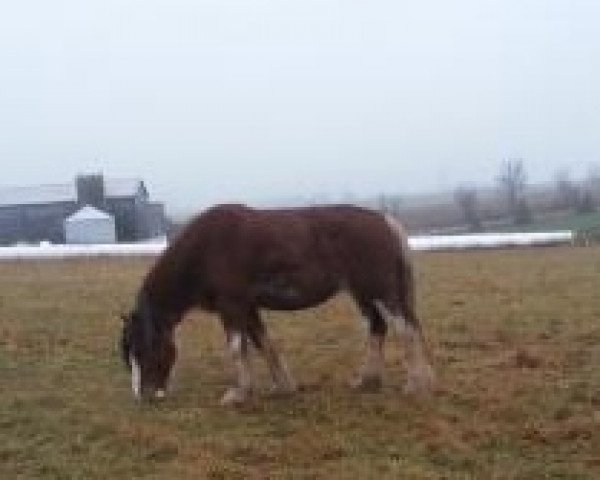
{"x": 403, "y": 318}
{"x": 282, "y": 380}
{"x": 370, "y": 374}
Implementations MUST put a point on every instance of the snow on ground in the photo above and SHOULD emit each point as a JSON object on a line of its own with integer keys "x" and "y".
{"x": 490, "y": 240}
{"x": 46, "y": 250}
{"x": 73, "y": 251}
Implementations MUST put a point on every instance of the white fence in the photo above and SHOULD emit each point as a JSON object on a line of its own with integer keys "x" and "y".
{"x": 436, "y": 242}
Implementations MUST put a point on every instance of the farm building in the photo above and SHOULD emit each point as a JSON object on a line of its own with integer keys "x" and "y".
{"x": 90, "y": 225}
{"x": 37, "y": 213}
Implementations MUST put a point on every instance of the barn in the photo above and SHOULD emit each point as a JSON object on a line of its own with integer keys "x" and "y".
{"x": 38, "y": 213}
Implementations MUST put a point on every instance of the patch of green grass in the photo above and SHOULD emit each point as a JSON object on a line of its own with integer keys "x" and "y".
{"x": 514, "y": 335}
{"x": 573, "y": 222}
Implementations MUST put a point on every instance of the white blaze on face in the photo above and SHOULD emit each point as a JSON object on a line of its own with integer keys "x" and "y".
{"x": 136, "y": 377}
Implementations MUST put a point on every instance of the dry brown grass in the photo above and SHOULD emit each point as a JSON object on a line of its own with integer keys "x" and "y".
{"x": 516, "y": 343}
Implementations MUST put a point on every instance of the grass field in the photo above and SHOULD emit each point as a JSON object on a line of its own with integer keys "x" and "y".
{"x": 574, "y": 222}
{"x": 515, "y": 337}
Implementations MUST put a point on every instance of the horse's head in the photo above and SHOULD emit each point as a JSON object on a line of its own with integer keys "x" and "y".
{"x": 149, "y": 352}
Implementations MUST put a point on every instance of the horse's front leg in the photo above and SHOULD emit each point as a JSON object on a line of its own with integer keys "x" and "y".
{"x": 237, "y": 344}
{"x": 236, "y": 315}
{"x": 283, "y": 382}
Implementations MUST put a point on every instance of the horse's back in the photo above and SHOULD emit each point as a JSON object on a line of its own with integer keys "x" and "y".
{"x": 363, "y": 248}
{"x": 339, "y": 235}
{"x": 353, "y": 247}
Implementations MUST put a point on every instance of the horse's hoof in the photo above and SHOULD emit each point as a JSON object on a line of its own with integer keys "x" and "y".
{"x": 368, "y": 384}
{"x": 235, "y": 396}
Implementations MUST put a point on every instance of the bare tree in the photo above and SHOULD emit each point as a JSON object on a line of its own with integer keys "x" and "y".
{"x": 567, "y": 192}
{"x": 467, "y": 200}
{"x": 592, "y": 183}
{"x": 512, "y": 180}
{"x": 522, "y": 213}
{"x": 585, "y": 203}
{"x": 578, "y": 196}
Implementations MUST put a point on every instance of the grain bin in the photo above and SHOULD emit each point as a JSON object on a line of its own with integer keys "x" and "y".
{"x": 90, "y": 225}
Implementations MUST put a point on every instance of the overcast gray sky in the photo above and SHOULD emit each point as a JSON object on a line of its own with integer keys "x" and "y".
{"x": 260, "y": 99}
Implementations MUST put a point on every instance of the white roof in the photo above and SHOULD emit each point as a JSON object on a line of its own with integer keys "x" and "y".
{"x": 37, "y": 194}
{"x": 66, "y": 192}
{"x": 121, "y": 187}
{"x": 88, "y": 213}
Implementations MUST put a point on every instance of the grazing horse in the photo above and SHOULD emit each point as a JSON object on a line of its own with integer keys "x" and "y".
{"x": 235, "y": 260}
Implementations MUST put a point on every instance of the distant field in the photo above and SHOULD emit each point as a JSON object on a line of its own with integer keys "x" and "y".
{"x": 580, "y": 222}
{"x": 516, "y": 342}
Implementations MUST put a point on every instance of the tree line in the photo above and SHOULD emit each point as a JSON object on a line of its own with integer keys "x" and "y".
{"x": 566, "y": 195}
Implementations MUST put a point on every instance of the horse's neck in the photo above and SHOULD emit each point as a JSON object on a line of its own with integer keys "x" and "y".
{"x": 169, "y": 285}
{"x": 156, "y": 320}
{"x": 159, "y": 296}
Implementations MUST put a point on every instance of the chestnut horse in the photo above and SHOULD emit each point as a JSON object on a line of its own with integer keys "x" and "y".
{"x": 235, "y": 260}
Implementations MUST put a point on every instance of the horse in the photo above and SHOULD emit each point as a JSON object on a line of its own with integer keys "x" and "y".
{"x": 234, "y": 260}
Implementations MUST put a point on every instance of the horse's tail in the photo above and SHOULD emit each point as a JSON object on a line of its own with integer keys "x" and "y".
{"x": 405, "y": 273}
{"x": 420, "y": 373}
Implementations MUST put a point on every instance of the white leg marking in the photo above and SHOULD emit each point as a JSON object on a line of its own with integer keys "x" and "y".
{"x": 136, "y": 377}
{"x": 370, "y": 373}
{"x": 285, "y": 382}
{"x": 374, "y": 360}
{"x": 280, "y": 374}
{"x": 160, "y": 394}
{"x": 420, "y": 373}
{"x": 235, "y": 343}
{"x": 239, "y": 393}
{"x": 397, "y": 322}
